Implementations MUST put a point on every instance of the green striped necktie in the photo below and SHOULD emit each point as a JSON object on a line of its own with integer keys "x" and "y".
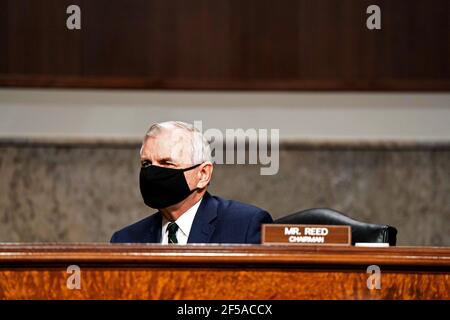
{"x": 173, "y": 228}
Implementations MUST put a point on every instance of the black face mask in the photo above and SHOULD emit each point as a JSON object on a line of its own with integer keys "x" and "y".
{"x": 162, "y": 187}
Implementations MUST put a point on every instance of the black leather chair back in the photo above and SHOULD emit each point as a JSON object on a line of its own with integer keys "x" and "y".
{"x": 361, "y": 231}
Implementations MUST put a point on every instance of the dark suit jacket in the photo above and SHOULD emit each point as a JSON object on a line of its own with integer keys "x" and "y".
{"x": 217, "y": 221}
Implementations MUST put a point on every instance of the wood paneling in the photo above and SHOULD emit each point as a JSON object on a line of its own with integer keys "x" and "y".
{"x": 221, "y": 272}
{"x": 226, "y": 44}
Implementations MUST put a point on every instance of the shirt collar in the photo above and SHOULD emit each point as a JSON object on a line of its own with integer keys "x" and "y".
{"x": 185, "y": 221}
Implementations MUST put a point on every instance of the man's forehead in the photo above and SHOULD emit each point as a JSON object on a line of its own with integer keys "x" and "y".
{"x": 170, "y": 144}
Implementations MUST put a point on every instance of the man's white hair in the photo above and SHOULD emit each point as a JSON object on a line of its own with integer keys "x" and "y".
{"x": 200, "y": 149}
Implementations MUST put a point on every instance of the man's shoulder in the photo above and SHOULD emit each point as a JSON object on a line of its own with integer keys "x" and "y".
{"x": 236, "y": 209}
{"x": 238, "y": 222}
{"x": 132, "y": 232}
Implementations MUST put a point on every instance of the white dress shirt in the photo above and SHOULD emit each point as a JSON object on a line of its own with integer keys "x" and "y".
{"x": 184, "y": 223}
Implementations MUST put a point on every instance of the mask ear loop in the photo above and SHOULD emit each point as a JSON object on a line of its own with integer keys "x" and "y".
{"x": 190, "y": 168}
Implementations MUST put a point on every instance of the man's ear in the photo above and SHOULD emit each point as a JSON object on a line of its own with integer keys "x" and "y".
{"x": 204, "y": 174}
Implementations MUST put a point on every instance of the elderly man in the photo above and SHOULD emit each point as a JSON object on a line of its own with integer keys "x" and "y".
{"x": 176, "y": 169}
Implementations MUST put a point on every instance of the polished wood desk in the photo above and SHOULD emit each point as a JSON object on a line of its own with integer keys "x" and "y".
{"x": 39, "y": 271}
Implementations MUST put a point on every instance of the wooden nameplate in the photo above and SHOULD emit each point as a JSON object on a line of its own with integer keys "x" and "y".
{"x": 302, "y": 234}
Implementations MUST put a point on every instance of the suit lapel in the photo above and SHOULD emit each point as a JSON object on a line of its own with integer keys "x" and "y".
{"x": 154, "y": 234}
{"x": 203, "y": 225}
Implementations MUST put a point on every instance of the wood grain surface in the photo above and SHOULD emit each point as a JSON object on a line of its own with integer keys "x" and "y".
{"x": 226, "y": 44}
{"x": 39, "y": 271}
